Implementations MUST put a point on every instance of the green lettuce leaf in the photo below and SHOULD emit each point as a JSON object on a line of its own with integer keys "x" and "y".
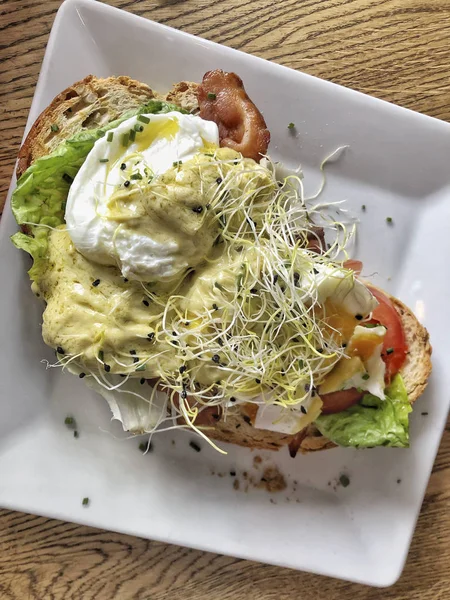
{"x": 39, "y": 200}
{"x": 374, "y": 422}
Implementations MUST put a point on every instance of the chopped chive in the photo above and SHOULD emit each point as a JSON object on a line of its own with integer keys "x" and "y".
{"x": 363, "y": 207}
{"x": 124, "y": 138}
{"x": 136, "y": 176}
{"x": 96, "y": 283}
{"x": 54, "y": 127}
{"x": 138, "y": 128}
{"x": 67, "y": 178}
{"x": 389, "y": 220}
{"x": 219, "y": 287}
{"x": 69, "y": 421}
{"x": 344, "y": 480}
{"x": 177, "y": 163}
{"x": 110, "y": 136}
{"x": 143, "y": 119}
{"x": 75, "y": 434}
{"x": 211, "y": 96}
{"x": 140, "y": 368}
{"x": 366, "y": 376}
{"x": 389, "y": 350}
{"x": 104, "y": 160}
{"x": 85, "y": 501}
{"x": 291, "y": 126}
{"x": 101, "y": 356}
{"x": 132, "y": 135}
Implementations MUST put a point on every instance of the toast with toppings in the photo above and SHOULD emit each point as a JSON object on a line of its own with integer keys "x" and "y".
{"x": 95, "y": 102}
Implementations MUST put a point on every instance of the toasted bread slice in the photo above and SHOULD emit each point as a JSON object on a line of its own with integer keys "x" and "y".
{"x": 237, "y": 427}
{"x": 91, "y": 103}
{"x": 87, "y": 104}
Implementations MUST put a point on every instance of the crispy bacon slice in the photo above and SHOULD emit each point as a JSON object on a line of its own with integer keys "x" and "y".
{"x": 223, "y": 99}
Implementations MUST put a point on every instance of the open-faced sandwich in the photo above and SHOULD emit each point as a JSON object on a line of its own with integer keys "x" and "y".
{"x": 187, "y": 280}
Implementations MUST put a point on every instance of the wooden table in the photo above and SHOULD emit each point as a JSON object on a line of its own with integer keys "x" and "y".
{"x": 398, "y": 50}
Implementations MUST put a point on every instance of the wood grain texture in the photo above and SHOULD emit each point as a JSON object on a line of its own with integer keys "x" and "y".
{"x": 397, "y": 50}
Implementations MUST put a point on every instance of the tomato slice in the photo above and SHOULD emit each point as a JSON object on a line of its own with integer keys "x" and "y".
{"x": 394, "y": 346}
{"x": 354, "y": 265}
{"x": 339, "y": 401}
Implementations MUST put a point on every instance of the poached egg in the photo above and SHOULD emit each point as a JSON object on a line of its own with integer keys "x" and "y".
{"x": 115, "y": 216}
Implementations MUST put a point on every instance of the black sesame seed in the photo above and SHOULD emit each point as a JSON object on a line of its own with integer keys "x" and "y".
{"x": 142, "y": 380}
{"x": 275, "y": 278}
{"x": 59, "y": 350}
{"x": 107, "y": 368}
{"x": 358, "y": 317}
{"x": 182, "y": 369}
{"x": 96, "y": 283}
{"x": 150, "y": 336}
{"x": 316, "y": 272}
{"x": 81, "y": 375}
{"x": 215, "y": 307}
{"x": 125, "y": 280}
{"x": 132, "y": 352}
{"x": 145, "y": 302}
{"x": 258, "y": 381}
{"x": 232, "y": 399}
{"x": 195, "y": 446}
{"x": 198, "y": 209}
{"x": 216, "y": 358}
{"x": 126, "y": 183}
{"x": 123, "y": 166}
{"x": 247, "y": 419}
{"x": 303, "y": 409}
{"x": 219, "y": 180}
{"x": 183, "y": 394}
{"x": 307, "y": 387}
{"x": 233, "y": 473}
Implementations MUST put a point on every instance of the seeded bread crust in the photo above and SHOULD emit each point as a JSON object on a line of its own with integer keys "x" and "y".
{"x": 93, "y": 102}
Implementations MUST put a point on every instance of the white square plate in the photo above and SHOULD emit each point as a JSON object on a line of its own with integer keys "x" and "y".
{"x": 397, "y": 165}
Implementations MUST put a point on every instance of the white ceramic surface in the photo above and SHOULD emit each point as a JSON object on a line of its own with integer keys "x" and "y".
{"x": 397, "y": 165}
